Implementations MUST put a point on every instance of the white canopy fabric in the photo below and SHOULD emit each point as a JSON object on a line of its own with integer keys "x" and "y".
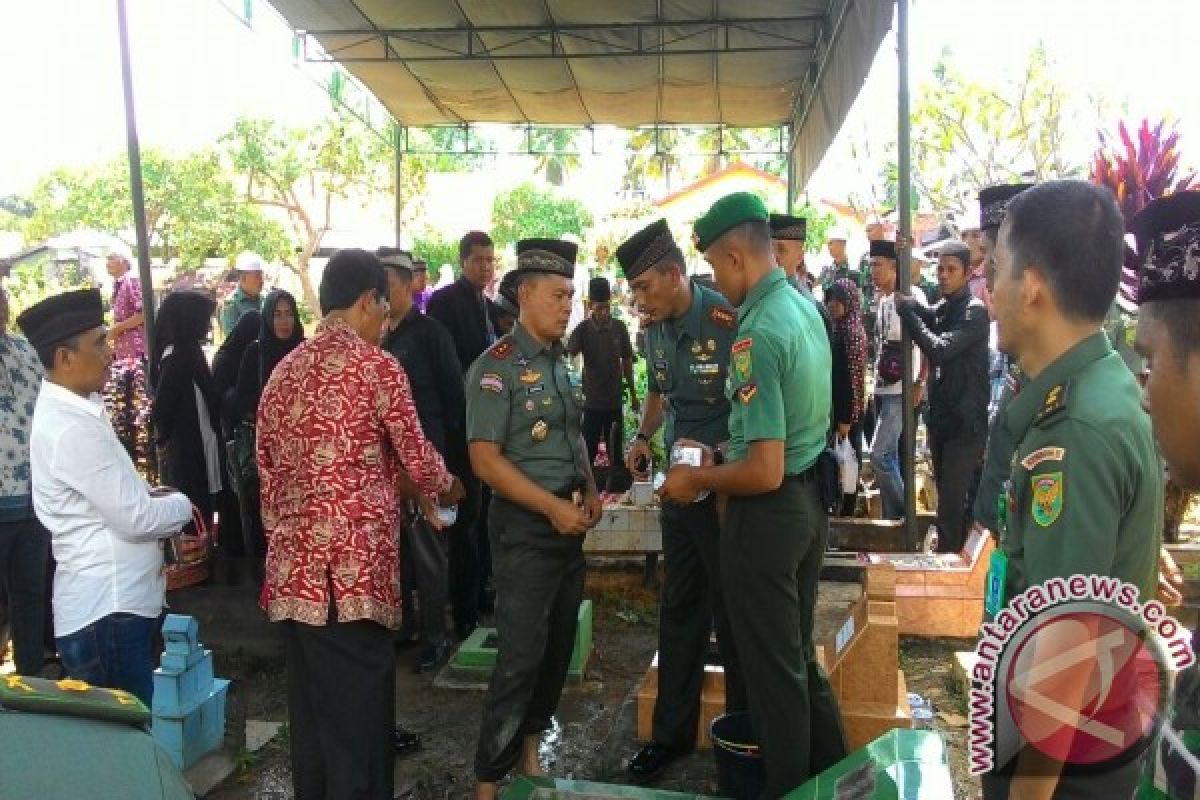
{"x": 740, "y": 63}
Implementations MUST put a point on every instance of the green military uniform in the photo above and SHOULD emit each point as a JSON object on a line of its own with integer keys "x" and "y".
{"x": 772, "y": 544}
{"x": 522, "y": 396}
{"x": 997, "y": 458}
{"x": 238, "y": 303}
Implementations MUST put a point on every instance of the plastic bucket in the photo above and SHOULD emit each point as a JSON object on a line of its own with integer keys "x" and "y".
{"x": 740, "y": 770}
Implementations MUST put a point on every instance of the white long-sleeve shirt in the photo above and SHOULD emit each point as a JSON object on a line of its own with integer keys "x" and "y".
{"x": 105, "y": 526}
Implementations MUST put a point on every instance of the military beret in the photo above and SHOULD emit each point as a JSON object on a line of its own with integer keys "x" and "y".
{"x": 649, "y": 246}
{"x": 60, "y": 317}
{"x": 599, "y": 291}
{"x": 506, "y": 293}
{"x": 956, "y": 249}
{"x": 725, "y": 215}
{"x": 993, "y": 203}
{"x": 883, "y": 247}
{"x": 551, "y": 256}
{"x": 784, "y": 226}
{"x": 1168, "y": 245}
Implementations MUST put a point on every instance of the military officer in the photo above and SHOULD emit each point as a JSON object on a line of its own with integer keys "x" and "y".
{"x": 687, "y": 350}
{"x": 523, "y": 424}
{"x": 992, "y": 202}
{"x": 1084, "y": 494}
{"x": 776, "y": 524}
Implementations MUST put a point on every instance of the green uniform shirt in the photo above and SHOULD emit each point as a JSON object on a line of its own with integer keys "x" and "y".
{"x": 237, "y": 304}
{"x": 1085, "y": 492}
{"x": 525, "y": 398}
{"x": 779, "y": 380}
{"x": 997, "y": 458}
{"x": 687, "y": 362}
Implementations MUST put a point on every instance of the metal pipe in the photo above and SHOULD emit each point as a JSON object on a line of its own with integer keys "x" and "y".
{"x": 904, "y": 241}
{"x": 135, "y": 185}
{"x": 399, "y": 164}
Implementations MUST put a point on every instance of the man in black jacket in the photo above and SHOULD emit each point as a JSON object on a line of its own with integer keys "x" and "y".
{"x": 953, "y": 335}
{"x": 426, "y": 351}
{"x": 470, "y": 317}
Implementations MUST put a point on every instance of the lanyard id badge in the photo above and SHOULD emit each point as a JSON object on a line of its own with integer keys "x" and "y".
{"x": 993, "y": 596}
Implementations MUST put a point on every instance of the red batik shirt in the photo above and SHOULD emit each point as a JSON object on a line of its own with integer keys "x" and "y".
{"x": 336, "y": 424}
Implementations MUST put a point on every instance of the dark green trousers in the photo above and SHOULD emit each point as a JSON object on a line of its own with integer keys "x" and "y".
{"x": 539, "y": 586}
{"x": 772, "y": 546}
{"x": 692, "y": 604}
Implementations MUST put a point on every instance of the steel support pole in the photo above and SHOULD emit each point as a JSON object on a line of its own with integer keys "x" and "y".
{"x": 135, "y": 183}
{"x": 904, "y": 241}
{"x": 399, "y": 167}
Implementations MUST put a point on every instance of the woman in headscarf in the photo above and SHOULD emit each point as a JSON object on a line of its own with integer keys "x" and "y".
{"x": 849, "y": 347}
{"x": 186, "y": 407}
{"x": 228, "y": 361}
{"x": 280, "y": 332}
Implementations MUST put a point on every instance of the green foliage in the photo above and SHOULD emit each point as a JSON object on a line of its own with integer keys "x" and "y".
{"x": 436, "y": 251}
{"x": 449, "y": 149}
{"x": 817, "y": 224}
{"x": 34, "y": 279}
{"x": 528, "y": 211}
{"x": 967, "y": 135}
{"x": 192, "y": 208}
{"x": 555, "y": 150}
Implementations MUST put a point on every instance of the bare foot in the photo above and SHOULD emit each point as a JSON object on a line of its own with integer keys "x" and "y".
{"x": 485, "y": 791}
{"x": 529, "y": 764}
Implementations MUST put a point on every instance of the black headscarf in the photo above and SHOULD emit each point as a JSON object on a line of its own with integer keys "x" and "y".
{"x": 229, "y": 356}
{"x": 184, "y": 320}
{"x": 271, "y": 349}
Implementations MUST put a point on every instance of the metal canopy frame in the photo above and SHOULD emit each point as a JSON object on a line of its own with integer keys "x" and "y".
{"x": 660, "y": 38}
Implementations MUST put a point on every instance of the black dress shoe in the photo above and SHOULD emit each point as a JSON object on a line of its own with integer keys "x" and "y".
{"x": 405, "y": 741}
{"x": 464, "y": 629}
{"x": 432, "y": 657}
{"x": 650, "y": 761}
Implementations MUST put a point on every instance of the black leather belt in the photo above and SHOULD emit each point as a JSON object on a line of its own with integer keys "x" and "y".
{"x": 803, "y": 477}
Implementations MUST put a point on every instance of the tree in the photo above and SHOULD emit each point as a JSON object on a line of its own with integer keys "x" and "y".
{"x": 555, "y": 150}
{"x": 652, "y": 155}
{"x": 528, "y": 212}
{"x": 436, "y": 251}
{"x": 192, "y": 208}
{"x": 304, "y": 172}
{"x": 449, "y": 149}
{"x": 967, "y": 135}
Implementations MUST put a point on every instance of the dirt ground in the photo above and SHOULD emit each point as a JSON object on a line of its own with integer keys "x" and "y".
{"x": 596, "y": 721}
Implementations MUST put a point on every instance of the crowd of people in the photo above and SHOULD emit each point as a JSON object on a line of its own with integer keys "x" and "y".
{"x": 423, "y": 453}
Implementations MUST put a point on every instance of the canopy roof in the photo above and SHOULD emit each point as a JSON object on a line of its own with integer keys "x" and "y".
{"x": 741, "y": 63}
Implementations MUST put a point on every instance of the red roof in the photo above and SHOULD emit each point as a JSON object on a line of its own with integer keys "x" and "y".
{"x": 735, "y": 168}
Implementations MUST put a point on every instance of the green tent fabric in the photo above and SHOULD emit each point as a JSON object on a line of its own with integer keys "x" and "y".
{"x": 51, "y": 756}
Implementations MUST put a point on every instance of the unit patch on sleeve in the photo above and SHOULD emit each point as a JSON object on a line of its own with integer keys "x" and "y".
{"x": 1047, "y": 498}
{"x": 1043, "y": 454}
{"x": 742, "y": 363}
{"x": 723, "y": 317}
{"x": 491, "y": 382}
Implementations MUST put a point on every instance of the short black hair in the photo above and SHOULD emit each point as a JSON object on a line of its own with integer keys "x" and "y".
{"x": 47, "y": 352}
{"x": 756, "y": 233}
{"x": 347, "y": 275}
{"x": 472, "y": 239}
{"x": 1073, "y": 231}
{"x": 1181, "y": 323}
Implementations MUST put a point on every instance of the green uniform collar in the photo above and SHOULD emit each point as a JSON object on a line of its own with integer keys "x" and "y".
{"x": 1032, "y": 398}
{"x": 531, "y": 347}
{"x": 760, "y": 290}
{"x": 692, "y": 323}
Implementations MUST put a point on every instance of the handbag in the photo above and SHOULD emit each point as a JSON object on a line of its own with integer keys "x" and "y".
{"x": 891, "y": 363}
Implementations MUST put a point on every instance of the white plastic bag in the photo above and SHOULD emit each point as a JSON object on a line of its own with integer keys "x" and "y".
{"x": 847, "y": 465}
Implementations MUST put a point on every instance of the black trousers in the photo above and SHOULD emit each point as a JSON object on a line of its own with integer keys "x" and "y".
{"x": 692, "y": 603}
{"x": 465, "y": 578}
{"x": 539, "y": 586}
{"x": 606, "y": 426}
{"x": 341, "y": 710}
{"x": 772, "y": 546}
{"x": 954, "y": 463}
{"x": 24, "y": 548}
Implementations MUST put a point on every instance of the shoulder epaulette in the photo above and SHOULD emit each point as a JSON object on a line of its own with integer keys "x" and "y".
{"x": 1054, "y": 404}
{"x": 501, "y": 349}
{"x": 723, "y": 317}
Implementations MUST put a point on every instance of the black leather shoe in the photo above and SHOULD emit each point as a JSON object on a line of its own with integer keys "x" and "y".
{"x": 650, "y": 761}
{"x": 405, "y": 741}
{"x": 432, "y": 657}
{"x": 464, "y": 629}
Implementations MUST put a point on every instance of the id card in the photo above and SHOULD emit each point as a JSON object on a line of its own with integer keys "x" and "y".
{"x": 993, "y": 596}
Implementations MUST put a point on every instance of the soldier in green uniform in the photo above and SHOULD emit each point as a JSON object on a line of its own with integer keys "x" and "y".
{"x": 1168, "y": 338}
{"x": 687, "y": 353}
{"x": 1084, "y": 493}
{"x": 248, "y": 295}
{"x": 776, "y": 524}
{"x": 997, "y": 456}
{"x": 523, "y": 423}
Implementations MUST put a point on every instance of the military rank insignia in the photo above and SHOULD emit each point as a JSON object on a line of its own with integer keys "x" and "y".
{"x": 1054, "y": 403}
{"x": 746, "y": 393}
{"x": 742, "y": 364}
{"x": 1047, "y": 498}
{"x": 722, "y": 317}
{"x": 501, "y": 349}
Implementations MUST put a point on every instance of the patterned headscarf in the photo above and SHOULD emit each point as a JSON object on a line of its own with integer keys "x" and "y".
{"x": 849, "y": 334}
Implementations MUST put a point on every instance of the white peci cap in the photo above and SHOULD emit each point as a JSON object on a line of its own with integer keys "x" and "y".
{"x": 249, "y": 262}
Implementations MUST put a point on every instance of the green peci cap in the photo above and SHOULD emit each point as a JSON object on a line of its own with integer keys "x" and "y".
{"x": 725, "y": 215}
